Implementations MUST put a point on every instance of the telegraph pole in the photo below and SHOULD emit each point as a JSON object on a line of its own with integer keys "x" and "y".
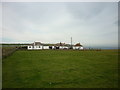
{"x": 71, "y": 43}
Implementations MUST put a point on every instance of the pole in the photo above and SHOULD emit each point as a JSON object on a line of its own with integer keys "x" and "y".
{"x": 71, "y": 42}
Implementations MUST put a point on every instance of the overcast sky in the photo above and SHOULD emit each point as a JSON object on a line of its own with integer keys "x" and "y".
{"x": 90, "y": 23}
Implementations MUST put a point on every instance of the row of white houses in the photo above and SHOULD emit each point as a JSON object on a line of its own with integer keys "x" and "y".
{"x": 39, "y": 46}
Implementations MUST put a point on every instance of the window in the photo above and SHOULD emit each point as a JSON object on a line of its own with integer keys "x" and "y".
{"x": 36, "y": 46}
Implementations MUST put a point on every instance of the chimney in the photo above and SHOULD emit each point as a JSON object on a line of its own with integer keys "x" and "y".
{"x": 34, "y": 43}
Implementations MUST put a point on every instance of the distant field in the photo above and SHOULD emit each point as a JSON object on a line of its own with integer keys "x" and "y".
{"x": 61, "y": 69}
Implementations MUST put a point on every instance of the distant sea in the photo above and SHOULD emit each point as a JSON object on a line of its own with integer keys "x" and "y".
{"x": 102, "y": 47}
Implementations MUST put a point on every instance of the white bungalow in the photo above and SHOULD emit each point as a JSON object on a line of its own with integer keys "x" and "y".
{"x": 35, "y": 46}
{"x": 78, "y": 46}
{"x": 62, "y": 45}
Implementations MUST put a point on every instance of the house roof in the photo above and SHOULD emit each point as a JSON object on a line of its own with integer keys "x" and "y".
{"x": 60, "y": 44}
{"x": 78, "y": 44}
{"x": 36, "y": 43}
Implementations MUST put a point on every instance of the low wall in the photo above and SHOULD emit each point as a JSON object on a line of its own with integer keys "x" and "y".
{"x": 8, "y": 51}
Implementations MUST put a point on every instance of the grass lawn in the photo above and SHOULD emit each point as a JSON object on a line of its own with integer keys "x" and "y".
{"x": 61, "y": 69}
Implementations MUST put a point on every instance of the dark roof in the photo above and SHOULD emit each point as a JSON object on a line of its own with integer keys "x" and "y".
{"x": 36, "y": 43}
{"x": 78, "y": 44}
{"x": 60, "y": 44}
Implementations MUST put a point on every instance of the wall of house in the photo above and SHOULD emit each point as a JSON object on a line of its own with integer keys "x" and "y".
{"x": 29, "y": 47}
{"x": 81, "y": 48}
{"x": 45, "y": 47}
{"x": 64, "y": 47}
{"x": 38, "y": 47}
{"x": 76, "y": 47}
{"x": 61, "y": 47}
{"x": 53, "y": 47}
{"x": 34, "y": 47}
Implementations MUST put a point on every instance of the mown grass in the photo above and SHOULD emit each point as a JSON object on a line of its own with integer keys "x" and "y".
{"x": 61, "y": 69}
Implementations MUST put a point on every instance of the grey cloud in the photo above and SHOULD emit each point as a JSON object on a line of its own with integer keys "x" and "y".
{"x": 87, "y": 23}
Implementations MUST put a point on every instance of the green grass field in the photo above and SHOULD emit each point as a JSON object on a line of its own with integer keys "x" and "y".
{"x": 61, "y": 69}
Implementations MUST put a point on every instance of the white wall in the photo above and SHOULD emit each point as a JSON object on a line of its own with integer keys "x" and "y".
{"x": 34, "y": 47}
{"x": 61, "y": 47}
{"x": 76, "y": 47}
{"x": 64, "y": 47}
{"x": 29, "y": 47}
{"x": 45, "y": 47}
{"x": 81, "y": 48}
{"x": 53, "y": 47}
{"x": 38, "y": 47}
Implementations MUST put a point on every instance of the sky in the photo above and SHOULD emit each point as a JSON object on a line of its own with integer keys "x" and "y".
{"x": 93, "y": 24}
